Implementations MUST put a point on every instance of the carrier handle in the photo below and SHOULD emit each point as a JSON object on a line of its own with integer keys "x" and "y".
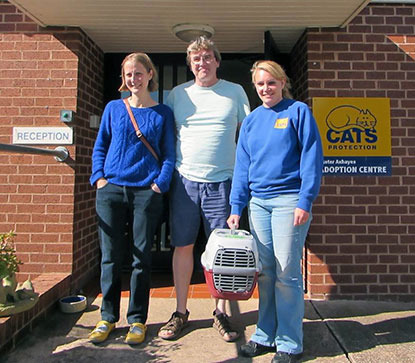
{"x": 234, "y": 232}
{"x": 236, "y": 271}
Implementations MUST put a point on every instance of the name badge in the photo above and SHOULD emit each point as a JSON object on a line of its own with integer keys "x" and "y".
{"x": 281, "y": 123}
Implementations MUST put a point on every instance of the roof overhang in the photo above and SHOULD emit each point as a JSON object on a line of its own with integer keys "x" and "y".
{"x": 146, "y": 25}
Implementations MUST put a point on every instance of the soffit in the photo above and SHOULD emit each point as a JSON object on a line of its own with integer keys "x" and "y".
{"x": 145, "y": 25}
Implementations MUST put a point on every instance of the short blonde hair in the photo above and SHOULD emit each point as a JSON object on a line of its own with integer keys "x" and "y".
{"x": 202, "y": 43}
{"x": 275, "y": 70}
{"x": 145, "y": 60}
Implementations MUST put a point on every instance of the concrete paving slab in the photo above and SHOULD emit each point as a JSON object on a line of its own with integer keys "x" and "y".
{"x": 319, "y": 343}
{"x": 372, "y": 331}
{"x": 334, "y": 331}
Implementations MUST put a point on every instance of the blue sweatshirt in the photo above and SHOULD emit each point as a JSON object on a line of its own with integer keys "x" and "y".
{"x": 279, "y": 152}
{"x": 121, "y": 158}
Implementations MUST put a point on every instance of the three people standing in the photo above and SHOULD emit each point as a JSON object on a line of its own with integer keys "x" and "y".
{"x": 276, "y": 175}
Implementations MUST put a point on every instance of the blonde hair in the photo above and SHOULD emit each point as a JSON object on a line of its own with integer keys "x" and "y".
{"x": 202, "y": 43}
{"x": 145, "y": 60}
{"x": 275, "y": 70}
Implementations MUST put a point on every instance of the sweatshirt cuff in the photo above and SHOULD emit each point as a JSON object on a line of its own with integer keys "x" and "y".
{"x": 304, "y": 204}
{"x": 163, "y": 186}
{"x": 237, "y": 209}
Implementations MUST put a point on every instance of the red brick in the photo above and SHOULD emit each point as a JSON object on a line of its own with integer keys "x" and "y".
{"x": 321, "y": 289}
{"x": 58, "y": 267}
{"x": 64, "y": 54}
{"x": 408, "y": 278}
{"x": 368, "y": 66}
{"x": 51, "y": 45}
{"x": 365, "y": 279}
{"x": 59, "y": 228}
{"x": 7, "y": 27}
{"x": 396, "y": 289}
{"x": 66, "y": 259}
{"x": 329, "y": 259}
{"x": 376, "y": 269}
{"x": 27, "y": 27}
{"x": 44, "y": 257}
{"x": 58, "y": 248}
{"x": 362, "y": 47}
{"x": 353, "y": 289}
{"x": 25, "y": 46}
{"x": 377, "y": 289}
{"x": 32, "y": 268}
{"x": 373, "y": 20}
{"x": 30, "y": 247}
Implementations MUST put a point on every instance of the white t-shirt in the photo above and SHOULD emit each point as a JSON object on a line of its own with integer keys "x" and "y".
{"x": 206, "y": 122}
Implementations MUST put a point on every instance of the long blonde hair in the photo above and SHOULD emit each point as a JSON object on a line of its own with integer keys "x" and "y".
{"x": 275, "y": 70}
{"x": 145, "y": 60}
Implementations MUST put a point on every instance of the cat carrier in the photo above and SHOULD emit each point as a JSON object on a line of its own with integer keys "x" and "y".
{"x": 231, "y": 264}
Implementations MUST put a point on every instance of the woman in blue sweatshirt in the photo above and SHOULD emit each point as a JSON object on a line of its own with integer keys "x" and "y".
{"x": 129, "y": 182}
{"x": 277, "y": 174}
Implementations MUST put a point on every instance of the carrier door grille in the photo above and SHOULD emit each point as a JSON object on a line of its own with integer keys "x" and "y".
{"x": 232, "y": 283}
{"x": 239, "y": 258}
{"x": 229, "y": 257}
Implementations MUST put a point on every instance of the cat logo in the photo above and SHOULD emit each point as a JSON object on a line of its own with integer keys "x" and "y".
{"x": 350, "y": 124}
{"x": 281, "y": 123}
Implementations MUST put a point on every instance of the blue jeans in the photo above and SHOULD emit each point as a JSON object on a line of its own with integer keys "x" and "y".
{"x": 280, "y": 284}
{"x": 116, "y": 206}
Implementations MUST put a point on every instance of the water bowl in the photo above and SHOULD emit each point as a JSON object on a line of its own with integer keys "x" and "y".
{"x": 73, "y": 304}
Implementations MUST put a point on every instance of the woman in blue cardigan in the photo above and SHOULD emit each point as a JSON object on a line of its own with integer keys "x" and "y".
{"x": 129, "y": 182}
{"x": 277, "y": 174}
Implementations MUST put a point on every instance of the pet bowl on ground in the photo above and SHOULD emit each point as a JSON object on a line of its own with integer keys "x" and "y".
{"x": 73, "y": 304}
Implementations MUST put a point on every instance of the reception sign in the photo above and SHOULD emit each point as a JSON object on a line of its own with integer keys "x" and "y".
{"x": 43, "y": 135}
{"x": 356, "y": 135}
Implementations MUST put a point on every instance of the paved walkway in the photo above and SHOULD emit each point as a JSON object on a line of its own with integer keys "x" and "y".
{"x": 334, "y": 331}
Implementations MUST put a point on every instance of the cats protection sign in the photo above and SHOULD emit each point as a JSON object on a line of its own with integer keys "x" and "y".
{"x": 356, "y": 135}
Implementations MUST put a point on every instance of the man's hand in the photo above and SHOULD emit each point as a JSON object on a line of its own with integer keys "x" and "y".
{"x": 233, "y": 221}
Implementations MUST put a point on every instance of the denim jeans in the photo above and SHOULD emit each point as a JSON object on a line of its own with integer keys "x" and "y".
{"x": 280, "y": 284}
{"x": 116, "y": 206}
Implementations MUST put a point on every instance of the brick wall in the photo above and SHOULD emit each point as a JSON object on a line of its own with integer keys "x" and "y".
{"x": 362, "y": 240}
{"x": 86, "y": 253}
{"x": 49, "y": 204}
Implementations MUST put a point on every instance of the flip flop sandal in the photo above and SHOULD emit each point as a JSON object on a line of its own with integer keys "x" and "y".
{"x": 172, "y": 329}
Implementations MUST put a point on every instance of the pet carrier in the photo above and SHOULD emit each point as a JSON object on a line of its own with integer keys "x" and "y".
{"x": 231, "y": 264}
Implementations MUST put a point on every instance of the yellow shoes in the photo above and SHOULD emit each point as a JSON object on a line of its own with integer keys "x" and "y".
{"x": 101, "y": 331}
{"x": 136, "y": 334}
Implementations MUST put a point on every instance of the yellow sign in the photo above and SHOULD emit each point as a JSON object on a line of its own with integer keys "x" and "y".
{"x": 356, "y": 135}
{"x": 354, "y": 126}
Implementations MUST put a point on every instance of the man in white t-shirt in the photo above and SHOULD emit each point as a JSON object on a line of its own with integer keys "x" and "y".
{"x": 208, "y": 112}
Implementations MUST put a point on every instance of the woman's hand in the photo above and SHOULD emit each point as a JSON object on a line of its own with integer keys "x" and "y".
{"x": 101, "y": 182}
{"x": 300, "y": 216}
{"x": 233, "y": 221}
{"x": 155, "y": 188}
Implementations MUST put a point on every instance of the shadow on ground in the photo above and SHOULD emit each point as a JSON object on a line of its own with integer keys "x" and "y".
{"x": 334, "y": 331}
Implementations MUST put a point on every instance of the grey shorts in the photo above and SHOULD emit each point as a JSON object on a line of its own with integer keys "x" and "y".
{"x": 192, "y": 201}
